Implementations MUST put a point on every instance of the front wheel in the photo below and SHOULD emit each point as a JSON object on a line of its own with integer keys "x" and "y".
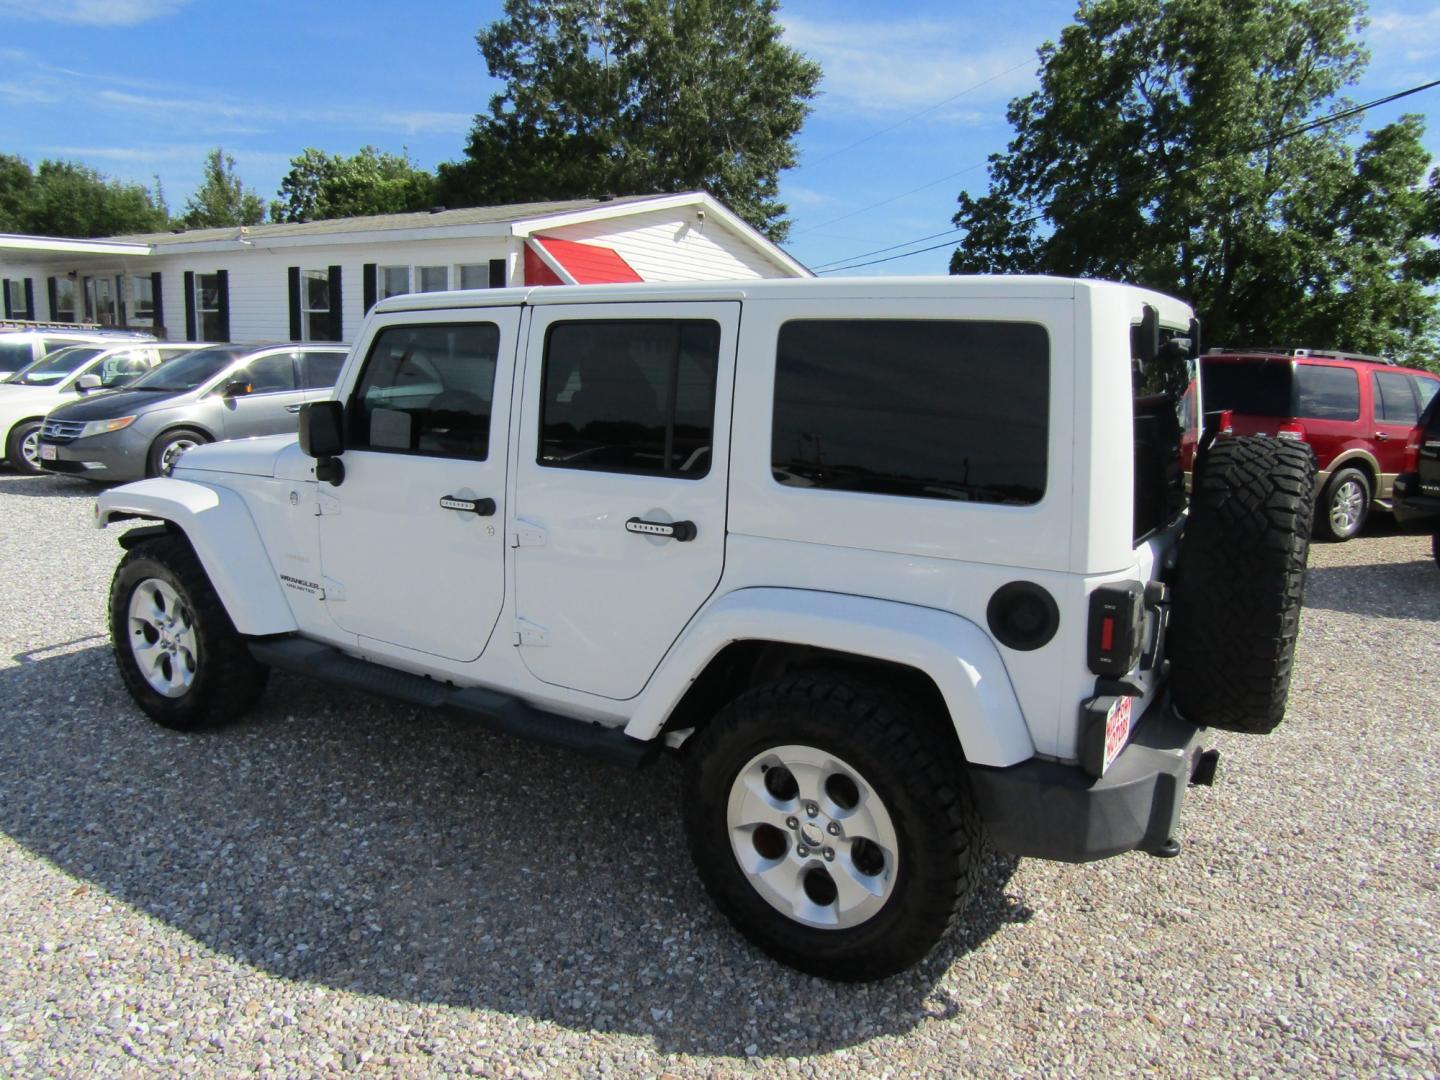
{"x": 179, "y": 654}
{"x": 832, "y": 825}
{"x": 23, "y": 451}
{"x": 166, "y": 450}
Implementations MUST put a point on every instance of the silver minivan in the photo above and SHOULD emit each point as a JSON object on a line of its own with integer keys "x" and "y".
{"x": 223, "y": 392}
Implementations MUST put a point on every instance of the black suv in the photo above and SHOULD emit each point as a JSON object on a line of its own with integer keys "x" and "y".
{"x": 1417, "y": 488}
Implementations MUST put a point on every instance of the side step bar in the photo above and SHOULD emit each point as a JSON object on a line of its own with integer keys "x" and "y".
{"x": 490, "y": 708}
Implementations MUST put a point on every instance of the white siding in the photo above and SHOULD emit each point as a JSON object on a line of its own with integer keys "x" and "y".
{"x": 671, "y": 245}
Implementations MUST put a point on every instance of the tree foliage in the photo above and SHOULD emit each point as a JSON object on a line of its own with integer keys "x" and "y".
{"x": 1165, "y": 146}
{"x": 222, "y": 198}
{"x": 321, "y": 185}
{"x": 61, "y": 198}
{"x": 637, "y": 97}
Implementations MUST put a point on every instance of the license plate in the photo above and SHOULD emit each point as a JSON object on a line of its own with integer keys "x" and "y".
{"x": 1117, "y": 729}
{"x": 47, "y": 452}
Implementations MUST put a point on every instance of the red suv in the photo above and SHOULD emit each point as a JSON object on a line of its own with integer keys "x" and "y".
{"x": 1354, "y": 411}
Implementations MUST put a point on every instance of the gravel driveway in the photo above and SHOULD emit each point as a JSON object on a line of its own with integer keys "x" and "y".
{"x": 341, "y": 884}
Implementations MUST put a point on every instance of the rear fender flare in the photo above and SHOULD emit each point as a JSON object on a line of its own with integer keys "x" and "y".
{"x": 219, "y": 527}
{"x": 955, "y": 653}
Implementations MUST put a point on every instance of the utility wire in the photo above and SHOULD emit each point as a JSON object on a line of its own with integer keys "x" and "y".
{"x": 892, "y": 247}
{"x": 1289, "y": 133}
{"x": 893, "y": 198}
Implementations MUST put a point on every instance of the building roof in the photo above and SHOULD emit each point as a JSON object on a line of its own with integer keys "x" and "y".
{"x": 587, "y": 264}
{"x": 423, "y": 219}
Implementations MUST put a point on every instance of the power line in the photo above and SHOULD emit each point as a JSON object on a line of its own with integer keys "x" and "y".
{"x": 892, "y": 247}
{"x": 1289, "y": 133}
{"x": 893, "y": 198}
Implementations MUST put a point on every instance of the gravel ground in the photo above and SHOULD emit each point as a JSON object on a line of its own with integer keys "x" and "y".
{"x": 340, "y": 884}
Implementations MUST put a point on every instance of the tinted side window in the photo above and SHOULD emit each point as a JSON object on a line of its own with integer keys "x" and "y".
{"x": 1394, "y": 400}
{"x": 632, "y": 397}
{"x": 273, "y": 374}
{"x": 427, "y": 390}
{"x": 1426, "y": 388}
{"x": 1326, "y": 393}
{"x": 320, "y": 370}
{"x": 929, "y": 409}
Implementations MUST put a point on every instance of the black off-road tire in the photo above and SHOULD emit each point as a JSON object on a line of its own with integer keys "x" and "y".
{"x": 1347, "y": 496}
{"x": 14, "y": 452}
{"x": 914, "y": 767}
{"x": 227, "y": 680}
{"x": 1240, "y": 582}
{"x": 155, "y": 459}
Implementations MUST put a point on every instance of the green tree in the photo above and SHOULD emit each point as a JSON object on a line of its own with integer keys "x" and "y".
{"x": 1167, "y": 145}
{"x": 222, "y": 198}
{"x": 636, "y": 97}
{"x": 321, "y": 185}
{"x": 63, "y": 198}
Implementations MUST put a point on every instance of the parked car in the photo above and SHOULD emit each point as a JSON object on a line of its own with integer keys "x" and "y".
{"x": 897, "y": 565}
{"x": 66, "y": 375}
{"x": 21, "y": 345}
{"x": 220, "y": 392}
{"x": 1417, "y": 488}
{"x": 1354, "y": 412}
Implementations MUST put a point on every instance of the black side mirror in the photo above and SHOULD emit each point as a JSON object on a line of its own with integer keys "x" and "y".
{"x": 237, "y": 388}
{"x": 322, "y": 436}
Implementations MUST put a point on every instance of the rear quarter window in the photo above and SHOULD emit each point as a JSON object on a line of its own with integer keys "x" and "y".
{"x": 931, "y": 409}
{"x": 1326, "y": 393}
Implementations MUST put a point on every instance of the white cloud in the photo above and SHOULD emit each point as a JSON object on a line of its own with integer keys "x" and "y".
{"x": 92, "y": 12}
{"x": 904, "y": 65}
{"x": 32, "y": 95}
{"x": 214, "y": 109}
{"x": 1403, "y": 45}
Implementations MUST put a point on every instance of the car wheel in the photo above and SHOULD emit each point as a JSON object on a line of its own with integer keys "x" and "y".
{"x": 179, "y": 654}
{"x": 831, "y": 821}
{"x": 1344, "y": 506}
{"x": 1239, "y": 584}
{"x": 165, "y": 450}
{"x": 23, "y": 449}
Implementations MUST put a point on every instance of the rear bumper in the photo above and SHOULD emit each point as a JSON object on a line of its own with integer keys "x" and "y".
{"x": 1048, "y": 810}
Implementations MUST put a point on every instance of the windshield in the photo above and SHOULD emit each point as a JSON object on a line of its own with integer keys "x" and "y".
{"x": 15, "y": 354}
{"x": 189, "y": 371}
{"x": 52, "y": 369}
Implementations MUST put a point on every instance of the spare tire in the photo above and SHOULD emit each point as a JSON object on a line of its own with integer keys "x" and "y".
{"x": 1239, "y": 582}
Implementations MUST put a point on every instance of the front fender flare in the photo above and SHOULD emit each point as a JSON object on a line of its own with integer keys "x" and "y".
{"x": 955, "y": 653}
{"x": 219, "y": 527}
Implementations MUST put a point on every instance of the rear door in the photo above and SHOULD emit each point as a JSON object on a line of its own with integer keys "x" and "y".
{"x": 319, "y": 371}
{"x": 1396, "y": 413}
{"x": 621, "y": 486}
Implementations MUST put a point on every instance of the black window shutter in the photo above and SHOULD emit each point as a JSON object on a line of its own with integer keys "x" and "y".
{"x": 52, "y": 294}
{"x": 190, "y": 306}
{"x": 497, "y": 273}
{"x": 337, "y": 305}
{"x": 159, "y": 300}
{"x": 30, "y": 298}
{"x": 294, "y": 303}
{"x": 5, "y": 288}
{"x": 223, "y": 279}
{"x": 370, "y": 287}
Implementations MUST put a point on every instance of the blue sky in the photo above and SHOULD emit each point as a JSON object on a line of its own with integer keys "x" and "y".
{"x": 914, "y": 94}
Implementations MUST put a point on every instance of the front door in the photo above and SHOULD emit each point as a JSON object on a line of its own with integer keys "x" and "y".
{"x": 411, "y": 542}
{"x": 271, "y": 404}
{"x": 621, "y": 486}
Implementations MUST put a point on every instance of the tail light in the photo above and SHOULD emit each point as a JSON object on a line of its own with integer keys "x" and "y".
{"x": 1411, "y": 460}
{"x": 1292, "y": 430}
{"x": 1227, "y": 422}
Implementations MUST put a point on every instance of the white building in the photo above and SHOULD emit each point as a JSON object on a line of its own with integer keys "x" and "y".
{"x": 315, "y": 281}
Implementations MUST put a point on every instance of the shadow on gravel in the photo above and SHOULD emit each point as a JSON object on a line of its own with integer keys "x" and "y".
{"x": 45, "y": 487}
{"x": 1408, "y": 590}
{"x": 377, "y": 849}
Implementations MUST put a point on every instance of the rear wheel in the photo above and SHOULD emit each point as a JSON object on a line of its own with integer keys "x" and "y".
{"x": 165, "y": 450}
{"x": 1344, "y": 506}
{"x": 23, "y": 449}
{"x": 831, "y": 825}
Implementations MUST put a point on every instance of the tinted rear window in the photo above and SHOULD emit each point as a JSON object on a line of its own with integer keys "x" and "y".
{"x": 1326, "y": 393}
{"x": 929, "y": 409}
{"x": 1248, "y": 387}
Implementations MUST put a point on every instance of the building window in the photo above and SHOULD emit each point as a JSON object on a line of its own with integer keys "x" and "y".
{"x": 317, "y": 322}
{"x": 15, "y": 299}
{"x": 100, "y": 304}
{"x": 433, "y": 278}
{"x": 142, "y": 301}
{"x": 209, "y": 317}
{"x": 474, "y": 276}
{"x": 64, "y": 300}
{"x": 394, "y": 280}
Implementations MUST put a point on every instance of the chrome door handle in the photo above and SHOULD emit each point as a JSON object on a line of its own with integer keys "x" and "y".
{"x": 670, "y": 530}
{"x": 292, "y": 408}
{"x": 1380, "y": 436}
{"x": 478, "y": 507}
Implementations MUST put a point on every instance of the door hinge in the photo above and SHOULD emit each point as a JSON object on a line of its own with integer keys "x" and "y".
{"x": 529, "y": 633}
{"x": 527, "y": 534}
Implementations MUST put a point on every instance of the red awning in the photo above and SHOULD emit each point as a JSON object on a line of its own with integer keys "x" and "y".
{"x": 587, "y": 264}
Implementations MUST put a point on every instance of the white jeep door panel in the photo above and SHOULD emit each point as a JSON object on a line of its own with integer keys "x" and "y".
{"x": 411, "y": 541}
{"x": 621, "y": 486}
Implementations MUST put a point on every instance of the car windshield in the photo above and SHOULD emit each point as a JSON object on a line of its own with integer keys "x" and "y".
{"x": 189, "y": 371}
{"x": 52, "y": 369}
{"x": 14, "y": 353}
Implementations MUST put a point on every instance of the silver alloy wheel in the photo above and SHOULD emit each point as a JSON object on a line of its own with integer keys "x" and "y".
{"x": 30, "y": 448}
{"x": 812, "y": 836}
{"x": 173, "y": 451}
{"x": 1347, "y": 505}
{"x": 162, "y": 637}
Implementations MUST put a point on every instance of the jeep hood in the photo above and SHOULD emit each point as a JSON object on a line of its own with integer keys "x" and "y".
{"x": 244, "y": 457}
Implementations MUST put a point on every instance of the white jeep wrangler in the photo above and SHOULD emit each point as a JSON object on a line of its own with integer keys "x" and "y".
{"x": 896, "y": 566}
